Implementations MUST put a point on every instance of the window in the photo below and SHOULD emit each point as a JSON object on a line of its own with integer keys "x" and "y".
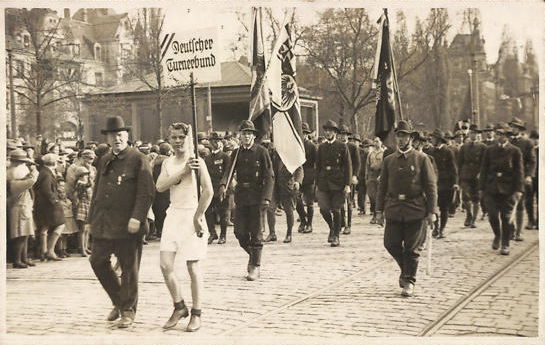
{"x": 98, "y": 79}
{"x": 98, "y": 54}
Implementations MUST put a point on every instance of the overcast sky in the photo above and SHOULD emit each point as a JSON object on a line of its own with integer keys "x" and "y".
{"x": 524, "y": 18}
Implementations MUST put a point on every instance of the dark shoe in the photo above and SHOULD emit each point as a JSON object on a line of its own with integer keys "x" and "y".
{"x": 308, "y": 229}
{"x": 221, "y": 240}
{"x": 301, "y": 228}
{"x": 504, "y": 250}
{"x": 335, "y": 242}
{"x": 408, "y": 290}
{"x": 434, "y": 233}
{"x": 270, "y": 238}
{"x": 373, "y": 220}
{"x": 19, "y": 265}
{"x": 125, "y": 321}
{"x": 287, "y": 239}
{"x": 144, "y": 242}
{"x": 467, "y": 222}
{"x": 346, "y": 231}
{"x": 441, "y": 235}
{"x": 42, "y": 257}
{"x": 330, "y": 237}
{"x": 212, "y": 238}
{"x": 29, "y": 263}
{"x": 496, "y": 243}
{"x": 518, "y": 238}
{"x": 176, "y": 316}
{"x": 253, "y": 273}
{"x": 194, "y": 323}
{"x": 114, "y": 315}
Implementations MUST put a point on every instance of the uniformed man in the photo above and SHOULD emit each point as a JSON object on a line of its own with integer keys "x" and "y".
{"x": 346, "y": 211}
{"x": 469, "y": 163}
{"x": 447, "y": 178}
{"x": 122, "y": 196}
{"x": 532, "y": 219}
{"x": 253, "y": 193}
{"x": 526, "y": 147}
{"x": 454, "y": 146}
{"x": 334, "y": 176}
{"x": 408, "y": 196}
{"x": 501, "y": 182}
{"x": 217, "y": 162}
{"x": 307, "y": 195}
{"x": 362, "y": 185}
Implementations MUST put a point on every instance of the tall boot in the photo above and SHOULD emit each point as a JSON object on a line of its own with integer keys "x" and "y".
{"x": 518, "y": 224}
{"x": 470, "y": 218}
{"x": 336, "y": 228}
{"x": 255, "y": 264}
{"x": 310, "y": 215}
{"x": 329, "y": 220}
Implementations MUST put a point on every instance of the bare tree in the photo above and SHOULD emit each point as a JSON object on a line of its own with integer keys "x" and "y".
{"x": 47, "y": 72}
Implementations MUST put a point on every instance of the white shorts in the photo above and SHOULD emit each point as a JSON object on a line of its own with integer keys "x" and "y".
{"x": 179, "y": 235}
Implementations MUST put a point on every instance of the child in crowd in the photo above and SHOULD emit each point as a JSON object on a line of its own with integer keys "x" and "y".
{"x": 83, "y": 192}
{"x": 70, "y": 226}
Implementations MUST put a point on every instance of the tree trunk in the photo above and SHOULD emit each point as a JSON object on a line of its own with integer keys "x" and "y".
{"x": 159, "y": 111}
{"x": 38, "y": 114}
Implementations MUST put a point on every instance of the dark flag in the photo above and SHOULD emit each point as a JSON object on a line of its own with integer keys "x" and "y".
{"x": 385, "y": 83}
{"x": 259, "y": 92}
{"x": 287, "y": 131}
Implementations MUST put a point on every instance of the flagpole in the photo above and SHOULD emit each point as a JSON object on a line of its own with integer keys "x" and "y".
{"x": 396, "y": 85}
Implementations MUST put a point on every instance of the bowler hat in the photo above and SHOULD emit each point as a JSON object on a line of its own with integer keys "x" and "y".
{"x": 343, "y": 129}
{"x": 437, "y": 133}
{"x": 356, "y": 137}
{"x": 19, "y": 155}
{"x": 448, "y": 135}
{"x": 115, "y": 124}
{"x": 367, "y": 142}
{"x": 215, "y": 136}
{"x": 305, "y": 127}
{"x": 516, "y": 122}
{"x": 404, "y": 126}
{"x": 247, "y": 125}
{"x": 473, "y": 127}
{"x": 488, "y": 128}
{"x": 330, "y": 124}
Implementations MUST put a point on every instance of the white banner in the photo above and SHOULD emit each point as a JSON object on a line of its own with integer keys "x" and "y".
{"x": 194, "y": 51}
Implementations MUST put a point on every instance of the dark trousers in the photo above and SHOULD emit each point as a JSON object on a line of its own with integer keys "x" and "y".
{"x": 217, "y": 208}
{"x": 521, "y": 205}
{"x": 529, "y": 196}
{"x": 404, "y": 241}
{"x": 248, "y": 227}
{"x": 362, "y": 191}
{"x": 331, "y": 203}
{"x": 160, "y": 213}
{"x": 444, "y": 201}
{"x": 288, "y": 205}
{"x": 123, "y": 292}
{"x": 500, "y": 215}
{"x": 306, "y": 198}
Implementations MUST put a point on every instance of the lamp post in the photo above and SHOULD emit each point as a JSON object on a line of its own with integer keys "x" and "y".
{"x": 470, "y": 73}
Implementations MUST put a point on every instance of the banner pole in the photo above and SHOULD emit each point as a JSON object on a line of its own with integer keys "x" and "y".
{"x": 195, "y": 140}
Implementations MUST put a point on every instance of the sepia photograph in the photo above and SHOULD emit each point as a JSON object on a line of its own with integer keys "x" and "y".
{"x": 258, "y": 172}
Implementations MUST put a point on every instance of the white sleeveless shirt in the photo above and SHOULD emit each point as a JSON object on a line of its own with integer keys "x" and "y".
{"x": 184, "y": 194}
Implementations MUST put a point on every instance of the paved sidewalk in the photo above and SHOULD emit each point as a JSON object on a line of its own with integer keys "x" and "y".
{"x": 307, "y": 289}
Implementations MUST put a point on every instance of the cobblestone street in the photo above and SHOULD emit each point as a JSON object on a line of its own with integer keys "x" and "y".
{"x": 307, "y": 289}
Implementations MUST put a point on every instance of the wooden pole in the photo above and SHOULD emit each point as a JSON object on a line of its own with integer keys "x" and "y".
{"x": 396, "y": 85}
{"x": 195, "y": 140}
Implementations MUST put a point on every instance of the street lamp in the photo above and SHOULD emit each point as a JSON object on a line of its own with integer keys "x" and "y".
{"x": 470, "y": 74}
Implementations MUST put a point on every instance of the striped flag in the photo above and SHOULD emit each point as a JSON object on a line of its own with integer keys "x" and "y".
{"x": 286, "y": 109}
{"x": 385, "y": 85}
{"x": 259, "y": 92}
{"x": 165, "y": 44}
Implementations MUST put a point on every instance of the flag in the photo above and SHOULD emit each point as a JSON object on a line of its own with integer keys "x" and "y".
{"x": 385, "y": 84}
{"x": 259, "y": 92}
{"x": 286, "y": 108}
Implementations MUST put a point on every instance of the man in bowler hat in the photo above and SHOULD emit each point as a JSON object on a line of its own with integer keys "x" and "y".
{"x": 407, "y": 195}
{"x": 122, "y": 196}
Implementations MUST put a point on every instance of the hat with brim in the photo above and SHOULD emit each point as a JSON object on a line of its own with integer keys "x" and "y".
{"x": 19, "y": 155}
{"x": 503, "y": 128}
{"x": 474, "y": 128}
{"x": 516, "y": 122}
{"x": 367, "y": 143}
{"x": 488, "y": 128}
{"x": 50, "y": 159}
{"x": 331, "y": 125}
{"x": 356, "y": 137}
{"x": 437, "y": 133}
{"x": 404, "y": 127}
{"x": 247, "y": 125}
{"x": 215, "y": 136}
{"x": 115, "y": 124}
{"x": 419, "y": 136}
{"x": 343, "y": 129}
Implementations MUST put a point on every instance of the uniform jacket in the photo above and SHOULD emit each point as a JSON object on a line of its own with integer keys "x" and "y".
{"x": 217, "y": 164}
{"x": 124, "y": 189}
{"x": 501, "y": 170}
{"x": 309, "y": 167}
{"x": 526, "y": 147}
{"x": 283, "y": 179}
{"x": 333, "y": 166}
{"x": 363, "y": 166}
{"x": 469, "y": 160}
{"x": 446, "y": 167}
{"x": 408, "y": 186}
{"x": 254, "y": 175}
{"x": 47, "y": 208}
{"x": 355, "y": 158}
